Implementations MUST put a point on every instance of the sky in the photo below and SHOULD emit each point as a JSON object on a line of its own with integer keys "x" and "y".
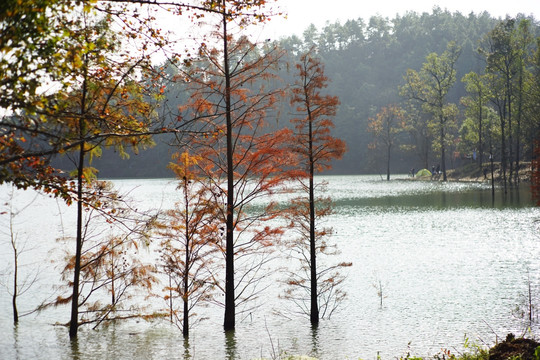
{"x": 302, "y": 13}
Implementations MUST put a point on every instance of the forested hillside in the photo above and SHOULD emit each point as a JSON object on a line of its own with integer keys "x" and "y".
{"x": 366, "y": 62}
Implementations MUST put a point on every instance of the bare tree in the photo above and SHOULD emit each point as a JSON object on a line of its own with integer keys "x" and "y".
{"x": 113, "y": 278}
{"x": 18, "y": 285}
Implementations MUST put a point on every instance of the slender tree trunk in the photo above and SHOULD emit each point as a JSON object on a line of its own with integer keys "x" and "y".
{"x": 443, "y": 149}
{"x": 519, "y": 115}
{"x": 74, "y": 321}
{"x": 425, "y": 152}
{"x": 230, "y": 308}
{"x": 388, "y": 163}
{"x": 113, "y": 275}
{"x": 492, "y": 167}
{"x": 15, "y": 262}
{"x": 187, "y": 264}
{"x": 314, "y": 311}
{"x": 15, "y": 279}
{"x": 170, "y": 296}
{"x": 510, "y": 134}
{"x": 185, "y": 324}
{"x": 480, "y": 142}
{"x": 503, "y": 147}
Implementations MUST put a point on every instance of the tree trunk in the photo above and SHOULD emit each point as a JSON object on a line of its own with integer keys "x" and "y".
{"x": 388, "y": 163}
{"x": 443, "y": 150}
{"x": 15, "y": 285}
{"x": 185, "y": 324}
{"x": 185, "y": 295}
{"x": 519, "y": 115}
{"x": 230, "y": 309}
{"x": 503, "y": 148}
{"x": 480, "y": 143}
{"x": 510, "y": 134}
{"x": 15, "y": 262}
{"x": 74, "y": 322}
{"x": 314, "y": 309}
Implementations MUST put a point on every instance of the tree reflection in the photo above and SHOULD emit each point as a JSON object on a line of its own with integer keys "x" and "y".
{"x": 315, "y": 340}
{"x": 187, "y": 354}
{"x": 230, "y": 345}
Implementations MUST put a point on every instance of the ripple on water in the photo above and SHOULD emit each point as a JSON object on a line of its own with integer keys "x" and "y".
{"x": 450, "y": 262}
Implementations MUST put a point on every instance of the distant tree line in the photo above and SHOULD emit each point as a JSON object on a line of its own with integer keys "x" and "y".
{"x": 372, "y": 63}
{"x": 368, "y": 60}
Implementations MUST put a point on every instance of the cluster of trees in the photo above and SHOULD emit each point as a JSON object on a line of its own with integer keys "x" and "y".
{"x": 78, "y": 84}
{"x": 416, "y": 62}
{"x": 368, "y": 61}
{"x": 500, "y": 108}
{"x": 73, "y": 85}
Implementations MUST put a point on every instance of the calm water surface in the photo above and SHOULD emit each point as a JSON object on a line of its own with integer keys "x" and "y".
{"x": 453, "y": 263}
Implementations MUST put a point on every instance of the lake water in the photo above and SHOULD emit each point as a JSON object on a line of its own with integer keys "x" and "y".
{"x": 453, "y": 262}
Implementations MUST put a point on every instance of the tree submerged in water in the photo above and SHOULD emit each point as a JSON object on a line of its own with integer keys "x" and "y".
{"x": 114, "y": 282}
{"x": 191, "y": 237}
{"x": 315, "y": 288}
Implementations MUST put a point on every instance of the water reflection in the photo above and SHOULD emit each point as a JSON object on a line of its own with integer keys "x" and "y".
{"x": 187, "y": 354}
{"x": 74, "y": 347}
{"x": 230, "y": 345}
{"x": 446, "y": 198}
{"x": 455, "y": 257}
{"x": 315, "y": 340}
{"x": 16, "y": 340}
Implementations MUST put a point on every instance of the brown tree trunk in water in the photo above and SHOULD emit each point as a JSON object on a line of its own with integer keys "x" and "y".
{"x": 74, "y": 322}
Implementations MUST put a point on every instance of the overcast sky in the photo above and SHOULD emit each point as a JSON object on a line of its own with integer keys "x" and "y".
{"x": 301, "y": 13}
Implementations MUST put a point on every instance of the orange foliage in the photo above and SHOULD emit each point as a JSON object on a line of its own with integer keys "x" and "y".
{"x": 312, "y": 139}
{"x": 315, "y": 288}
{"x": 241, "y": 159}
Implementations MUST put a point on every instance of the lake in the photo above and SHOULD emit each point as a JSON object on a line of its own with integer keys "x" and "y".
{"x": 454, "y": 264}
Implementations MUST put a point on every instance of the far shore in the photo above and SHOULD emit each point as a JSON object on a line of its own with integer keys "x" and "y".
{"x": 475, "y": 173}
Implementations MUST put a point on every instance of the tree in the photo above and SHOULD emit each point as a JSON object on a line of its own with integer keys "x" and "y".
{"x": 104, "y": 104}
{"x": 535, "y": 177}
{"x": 316, "y": 148}
{"x": 191, "y": 238}
{"x": 19, "y": 284}
{"x": 506, "y": 51}
{"x": 533, "y": 110}
{"x": 385, "y": 127}
{"x": 475, "y": 110}
{"x": 524, "y": 40}
{"x": 113, "y": 281}
{"x": 230, "y": 95}
{"x": 417, "y": 125}
{"x": 31, "y": 32}
{"x": 430, "y": 87}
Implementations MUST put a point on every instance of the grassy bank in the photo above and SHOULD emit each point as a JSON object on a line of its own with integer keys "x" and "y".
{"x": 511, "y": 348}
{"x": 474, "y": 172}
